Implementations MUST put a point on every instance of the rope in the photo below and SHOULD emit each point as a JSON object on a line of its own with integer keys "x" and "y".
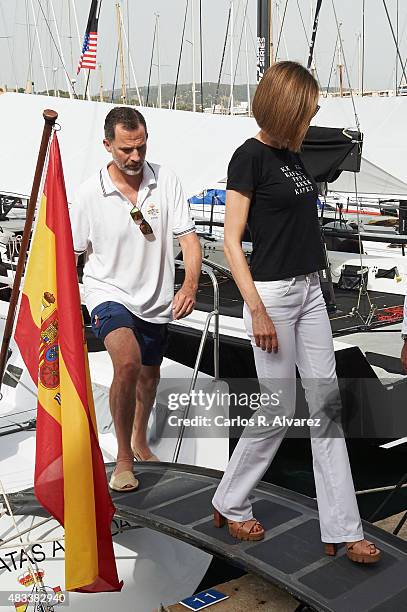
{"x": 281, "y": 28}
{"x": 37, "y": 579}
{"x": 346, "y": 68}
{"x": 56, "y": 47}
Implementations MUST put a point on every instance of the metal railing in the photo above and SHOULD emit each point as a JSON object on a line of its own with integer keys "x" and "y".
{"x": 214, "y": 314}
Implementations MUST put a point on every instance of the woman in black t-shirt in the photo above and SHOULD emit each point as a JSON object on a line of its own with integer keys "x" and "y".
{"x": 285, "y": 314}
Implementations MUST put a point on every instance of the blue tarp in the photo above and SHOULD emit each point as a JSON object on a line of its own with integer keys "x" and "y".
{"x": 209, "y": 196}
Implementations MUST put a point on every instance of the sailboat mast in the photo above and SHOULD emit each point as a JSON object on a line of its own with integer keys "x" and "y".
{"x": 314, "y": 34}
{"x": 247, "y": 67}
{"x": 101, "y": 97}
{"x": 340, "y": 65}
{"x": 130, "y": 65}
{"x": 39, "y": 47}
{"x": 87, "y": 92}
{"x": 264, "y": 43}
{"x": 159, "y": 97}
{"x": 121, "y": 58}
{"x": 271, "y": 46}
{"x": 193, "y": 56}
{"x": 61, "y": 53}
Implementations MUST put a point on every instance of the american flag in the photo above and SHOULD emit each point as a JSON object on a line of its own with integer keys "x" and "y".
{"x": 88, "y": 57}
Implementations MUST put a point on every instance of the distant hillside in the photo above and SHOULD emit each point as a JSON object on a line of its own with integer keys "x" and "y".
{"x": 184, "y": 95}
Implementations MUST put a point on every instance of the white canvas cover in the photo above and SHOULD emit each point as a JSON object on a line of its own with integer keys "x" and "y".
{"x": 197, "y": 146}
{"x": 383, "y": 121}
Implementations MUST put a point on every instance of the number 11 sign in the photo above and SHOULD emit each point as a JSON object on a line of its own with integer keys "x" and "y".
{"x": 203, "y": 600}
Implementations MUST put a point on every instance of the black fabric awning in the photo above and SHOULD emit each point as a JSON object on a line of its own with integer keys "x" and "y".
{"x": 326, "y": 152}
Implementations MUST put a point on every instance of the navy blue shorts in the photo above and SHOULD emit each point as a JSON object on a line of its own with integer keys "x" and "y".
{"x": 152, "y": 337}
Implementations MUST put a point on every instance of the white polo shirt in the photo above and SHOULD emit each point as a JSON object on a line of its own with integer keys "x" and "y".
{"x": 122, "y": 264}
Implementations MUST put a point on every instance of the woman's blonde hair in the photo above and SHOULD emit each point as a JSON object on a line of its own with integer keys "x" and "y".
{"x": 284, "y": 103}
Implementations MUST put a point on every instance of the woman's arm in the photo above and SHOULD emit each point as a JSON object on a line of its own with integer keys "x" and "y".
{"x": 236, "y": 213}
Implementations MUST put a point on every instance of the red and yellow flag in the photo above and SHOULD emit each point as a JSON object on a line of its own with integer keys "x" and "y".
{"x": 70, "y": 478}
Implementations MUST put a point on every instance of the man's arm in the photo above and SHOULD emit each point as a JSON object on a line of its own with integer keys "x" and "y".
{"x": 184, "y": 300}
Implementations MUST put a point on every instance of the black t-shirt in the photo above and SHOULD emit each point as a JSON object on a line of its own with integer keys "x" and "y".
{"x": 283, "y": 217}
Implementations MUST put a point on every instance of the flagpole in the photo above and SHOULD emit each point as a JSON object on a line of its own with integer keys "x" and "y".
{"x": 87, "y": 84}
{"x": 50, "y": 117}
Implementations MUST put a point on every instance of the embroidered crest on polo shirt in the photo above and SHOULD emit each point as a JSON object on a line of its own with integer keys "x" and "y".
{"x": 152, "y": 210}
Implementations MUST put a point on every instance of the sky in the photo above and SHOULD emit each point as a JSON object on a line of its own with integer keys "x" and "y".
{"x": 20, "y": 54}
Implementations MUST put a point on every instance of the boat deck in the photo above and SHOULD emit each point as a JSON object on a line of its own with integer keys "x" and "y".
{"x": 176, "y": 500}
{"x": 389, "y": 306}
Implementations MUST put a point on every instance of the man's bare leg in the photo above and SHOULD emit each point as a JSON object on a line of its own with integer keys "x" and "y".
{"x": 124, "y": 351}
{"x": 145, "y": 394}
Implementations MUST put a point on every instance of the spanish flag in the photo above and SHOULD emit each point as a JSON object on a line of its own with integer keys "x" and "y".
{"x": 70, "y": 478}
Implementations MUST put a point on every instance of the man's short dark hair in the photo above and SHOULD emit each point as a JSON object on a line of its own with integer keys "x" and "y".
{"x": 128, "y": 117}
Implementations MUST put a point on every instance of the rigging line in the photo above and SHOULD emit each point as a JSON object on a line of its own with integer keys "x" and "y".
{"x": 281, "y": 29}
{"x": 302, "y": 21}
{"x": 151, "y": 62}
{"x": 307, "y": 39}
{"x": 222, "y": 59}
{"x": 394, "y": 39}
{"x": 114, "y": 74}
{"x": 13, "y": 67}
{"x": 405, "y": 63}
{"x": 401, "y": 37}
{"x": 174, "y": 100}
{"x": 332, "y": 65}
{"x": 29, "y": 70}
{"x": 70, "y": 35}
{"x": 363, "y": 47}
{"x": 397, "y": 34}
{"x": 19, "y": 536}
{"x": 251, "y": 35}
{"x": 128, "y": 36}
{"x": 201, "y": 54}
{"x": 56, "y": 47}
{"x": 358, "y": 129}
{"x": 358, "y": 218}
{"x": 346, "y": 68}
{"x": 31, "y": 52}
{"x": 240, "y": 43}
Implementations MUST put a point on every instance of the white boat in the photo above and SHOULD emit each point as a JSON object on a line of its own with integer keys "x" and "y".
{"x": 155, "y": 568}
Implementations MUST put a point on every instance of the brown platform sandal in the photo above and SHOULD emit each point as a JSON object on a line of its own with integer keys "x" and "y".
{"x": 239, "y": 530}
{"x": 372, "y": 557}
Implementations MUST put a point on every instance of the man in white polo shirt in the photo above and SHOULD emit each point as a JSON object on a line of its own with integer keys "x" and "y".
{"x": 124, "y": 219}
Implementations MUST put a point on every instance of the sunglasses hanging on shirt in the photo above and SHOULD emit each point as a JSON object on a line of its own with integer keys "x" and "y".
{"x": 139, "y": 220}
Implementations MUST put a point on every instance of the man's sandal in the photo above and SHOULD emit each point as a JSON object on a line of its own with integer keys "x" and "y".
{"x": 240, "y": 530}
{"x": 138, "y": 457}
{"x": 363, "y": 557}
{"x": 123, "y": 482}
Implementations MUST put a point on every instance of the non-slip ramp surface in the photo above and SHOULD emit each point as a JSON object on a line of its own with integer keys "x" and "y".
{"x": 291, "y": 555}
{"x": 176, "y": 500}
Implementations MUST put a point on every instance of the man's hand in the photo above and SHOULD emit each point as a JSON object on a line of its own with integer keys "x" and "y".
{"x": 184, "y": 301}
{"x": 264, "y": 331}
{"x": 404, "y": 356}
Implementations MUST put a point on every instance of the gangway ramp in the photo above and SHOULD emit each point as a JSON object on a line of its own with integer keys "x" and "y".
{"x": 175, "y": 499}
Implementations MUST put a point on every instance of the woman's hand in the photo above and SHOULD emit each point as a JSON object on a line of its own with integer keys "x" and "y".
{"x": 264, "y": 331}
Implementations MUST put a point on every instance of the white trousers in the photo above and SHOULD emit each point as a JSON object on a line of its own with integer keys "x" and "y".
{"x": 297, "y": 309}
